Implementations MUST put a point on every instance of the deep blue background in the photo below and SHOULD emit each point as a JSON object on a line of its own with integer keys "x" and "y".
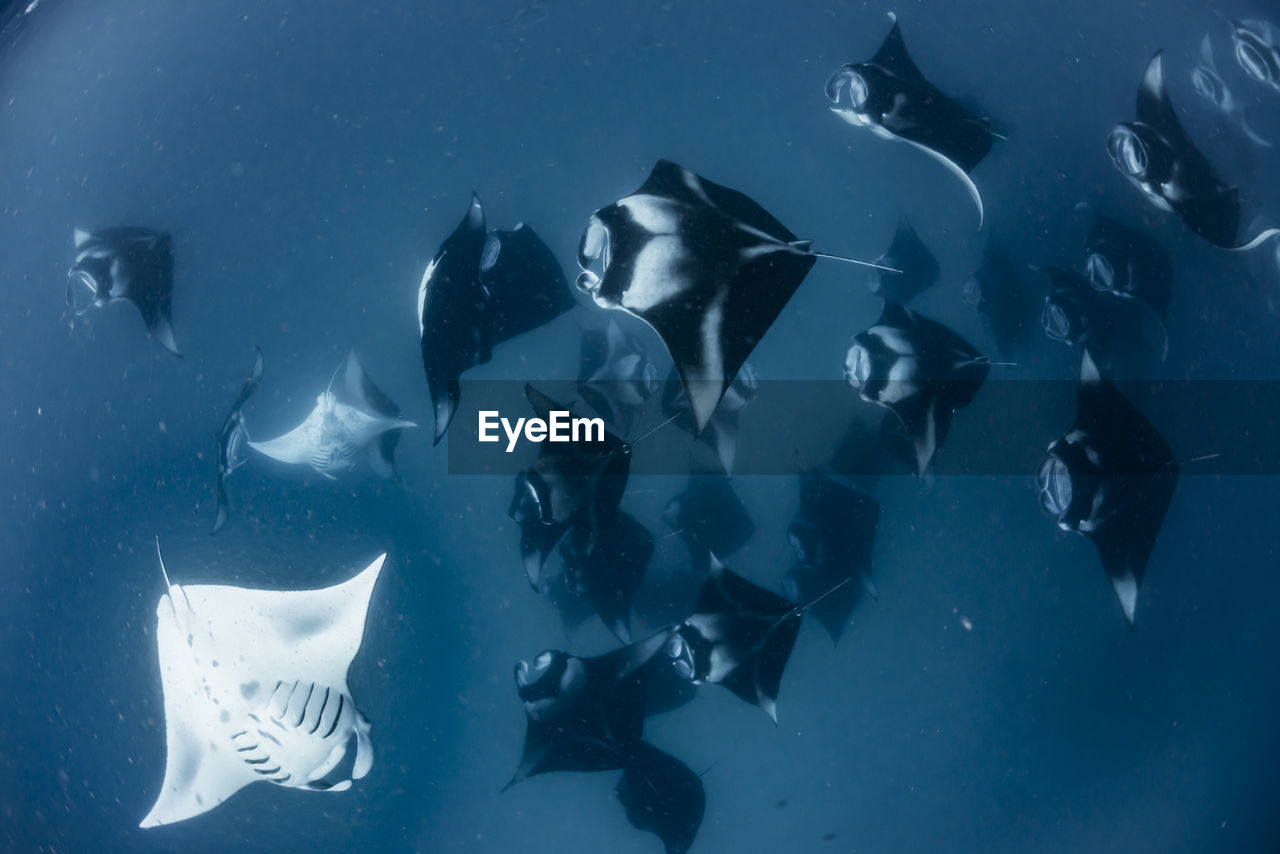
{"x": 312, "y": 155}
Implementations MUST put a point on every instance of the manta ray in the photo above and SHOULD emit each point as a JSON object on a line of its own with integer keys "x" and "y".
{"x": 663, "y": 797}
{"x": 891, "y": 96}
{"x": 609, "y": 571}
{"x": 920, "y": 371}
{"x": 615, "y": 376}
{"x": 133, "y": 265}
{"x": 739, "y": 636}
{"x": 583, "y": 714}
{"x": 1007, "y": 307}
{"x": 571, "y": 487}
{"x": 1110, "y": 478}
{"x": 482, "y": 288}
{"x": 1117, "y": 329}
{"x": 338, "y": 429}
{"x": 909, "y": 254}
{"x": 231, "y": 442}
{"x": 1209, "y": 85}
{"x": 831, "y": 538}
{"x": 1157, "y": 156}
{"x": 709, "y": 517}
{"x": 706, "y": 267}
{"x": 255, "y": 689}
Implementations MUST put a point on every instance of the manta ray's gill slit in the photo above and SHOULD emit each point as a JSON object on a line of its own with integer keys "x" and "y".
{"x": 324, "y": 704}
{"x": 303, "y": 714}
{"x": 266, "y": 772}
{"x": 337, "y": 717}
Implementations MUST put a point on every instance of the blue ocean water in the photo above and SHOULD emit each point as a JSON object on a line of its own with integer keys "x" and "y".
{"x": 310, "y": 157}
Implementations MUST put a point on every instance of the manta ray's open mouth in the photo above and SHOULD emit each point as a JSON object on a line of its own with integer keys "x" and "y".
{"x": 1056, "y": 323}
{"x": 1100, "y": 272}
{"x": 1054, "y": 482}
{"x": 1128, "y": 151}
{"x": 846, "y": 79}
{"x": 681, "y": 656}
{"x": 554, "y": 681}
{"x": 1253, "y": 58}
{"x": 857, "y": 366}
{"x": 593, "y": 258}
{"x": 1209, "y": 86}
{"x": 82, "y": 291}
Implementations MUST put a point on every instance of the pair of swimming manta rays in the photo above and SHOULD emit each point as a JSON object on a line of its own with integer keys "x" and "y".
{"x": 709, "y": 270}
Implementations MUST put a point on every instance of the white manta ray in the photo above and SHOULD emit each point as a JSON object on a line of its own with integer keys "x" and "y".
{"x": 337, "y": 430}
{"x": 255, "y": 688}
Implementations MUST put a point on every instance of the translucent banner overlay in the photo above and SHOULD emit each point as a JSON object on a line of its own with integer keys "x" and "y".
{"x": 794, "y": 425}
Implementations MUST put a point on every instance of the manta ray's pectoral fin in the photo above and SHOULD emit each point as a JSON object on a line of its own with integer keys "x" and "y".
{"x": 363, "y": 393}
{"x": 870, "y": 587}
{"x": 162, "y": 331}
{"x": 1126, "y": 587}
{"x": 1256, "y": 241}
{"x": 195, "y": 779}
{"x": 960, "y": 174}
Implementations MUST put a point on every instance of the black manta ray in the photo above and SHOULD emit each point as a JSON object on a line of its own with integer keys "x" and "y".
{"x": 1006, "y": 305}
{"x": 1115, "y": 329}
{"x": 231, "y": 441}
{"x": 739, "y": 636}
{"x": 889, "y": 94}
{"x": 1257, "y": 50}
{"x": 662, "y": 796}
{"x": 480, "y": 290}
{"x": 710, "y": 518}
{"x": 919, "y": 370}
{"x": 1159, "y": 158}
{"x": 570, "y": 485}
{"x": 705, "y": 266}
{"x": 1110, "y": 478}
{"x": 909, "y": 254}
{"x": 615, "y": 376}
{"x": 130, "y": 264}
{"x": 831, "y": 536}
{"x": 584, "y": 714}
{"x": 721, "y": 432}
{"x": 609, "y": 571}
{"x": 1124, "y": 261}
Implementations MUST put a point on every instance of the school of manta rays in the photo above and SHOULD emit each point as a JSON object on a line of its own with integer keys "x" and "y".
{"x": 255, "y": 681}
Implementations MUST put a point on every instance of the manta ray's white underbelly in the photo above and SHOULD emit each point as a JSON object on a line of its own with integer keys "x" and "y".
{"x": 329, "y": 439}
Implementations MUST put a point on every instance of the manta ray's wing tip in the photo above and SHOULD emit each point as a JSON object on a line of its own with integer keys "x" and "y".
{"x": 376, "y": 566}
{"x": 1256, "y": 241}
{"x": 1126, "y": 587}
